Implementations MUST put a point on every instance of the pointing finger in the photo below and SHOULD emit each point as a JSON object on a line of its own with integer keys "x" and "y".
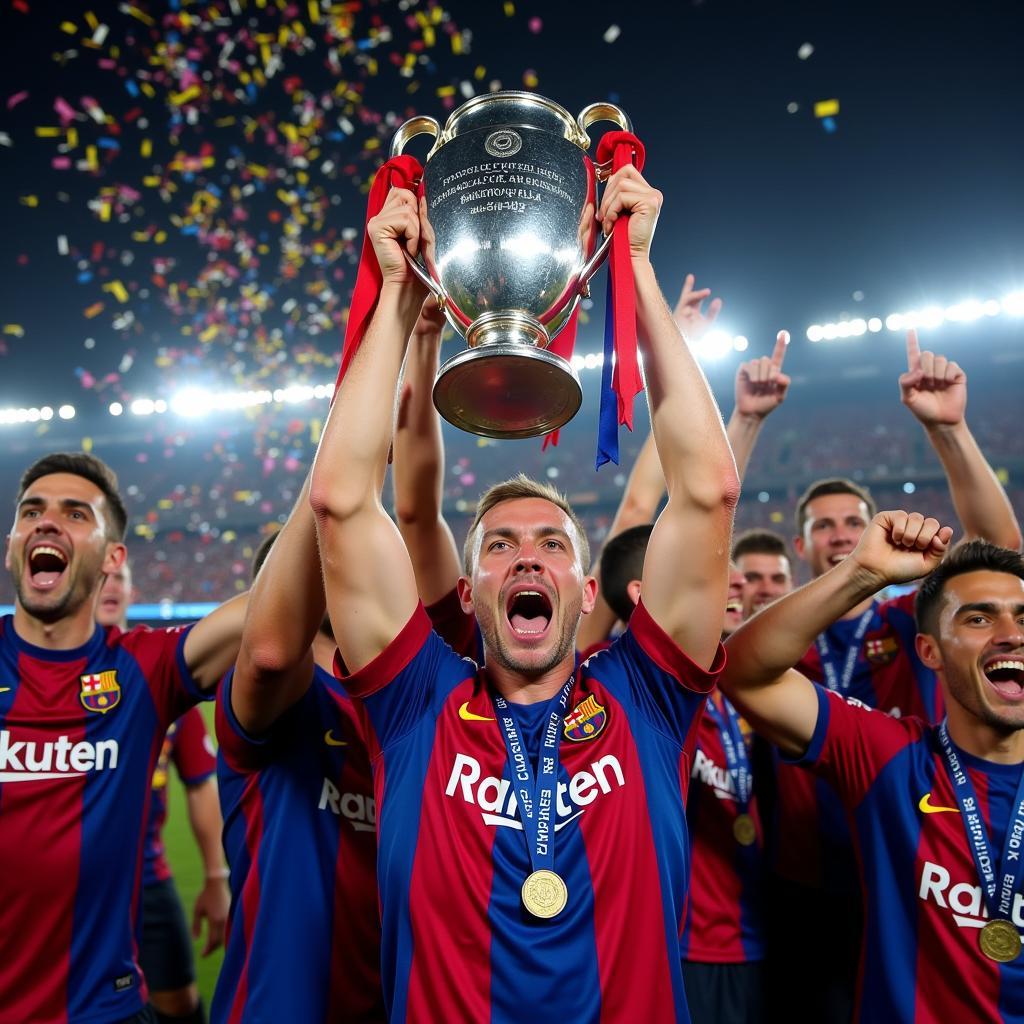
{"x": 779, "y": 352}
{"x": 913, "y": 350}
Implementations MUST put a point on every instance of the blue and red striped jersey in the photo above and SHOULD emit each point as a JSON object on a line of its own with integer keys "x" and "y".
{"x": 921, "y": 962}
{"x": 457, "y": 945}
{"x": 186, "y": 744}
{"x": 303, "y": 940}
{"x": 812, "y": 843}
{"x": 80, "y": 732}
{"x": 724, "y": 913}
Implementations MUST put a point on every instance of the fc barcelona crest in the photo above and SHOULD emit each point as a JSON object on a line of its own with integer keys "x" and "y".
{"x": 100, "y": 691}
{"x": 880, "y": 650}
{"x": 585, "y": 720}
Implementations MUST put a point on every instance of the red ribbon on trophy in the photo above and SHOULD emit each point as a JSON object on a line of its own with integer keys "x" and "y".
{"x": 398, "y": 172}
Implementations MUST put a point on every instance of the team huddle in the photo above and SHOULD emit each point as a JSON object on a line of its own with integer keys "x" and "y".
{"x": 509, "y": 783}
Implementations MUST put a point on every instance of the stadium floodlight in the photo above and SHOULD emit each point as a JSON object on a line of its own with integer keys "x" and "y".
{"x": 714, "y": 345}
{"x": 191, "y": 402}
{"x": 894, "y": 322}
{"x": 815, "y": 332}
{"x": 115, "y": 408}
{"x": 875, "y": 324}
{"x": 830, "y": 332}
{"x": 965, "y": 312}
{"x": 1013, "y": 304}
{"x": 46, "y": 413}
{"x": 740, "y": 343}
{"x": 66, "y": 412}
{"x": 143, "y": 407}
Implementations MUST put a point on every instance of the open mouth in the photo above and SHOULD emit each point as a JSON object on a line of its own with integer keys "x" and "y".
{"x": 836, "y": 559}
{"x": 1007, "y": 677}
{"x": 529, "y": 612}
{"x": 734, "y": 607}
{"x": 46, "y": 565}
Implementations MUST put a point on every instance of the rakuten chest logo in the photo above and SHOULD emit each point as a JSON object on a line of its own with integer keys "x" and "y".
{"x": 358, "y": 810}
{"x": 963, "y": 899}
{"x": 497, "y": 800}
{"x": 30, "y": 760}
{"x": 718, "y": 778}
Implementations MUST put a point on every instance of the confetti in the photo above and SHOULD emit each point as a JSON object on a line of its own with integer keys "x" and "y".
{"x": 805, "y": 51}
{"x": 826, "y": 108}
{"x": 611, "y": 33}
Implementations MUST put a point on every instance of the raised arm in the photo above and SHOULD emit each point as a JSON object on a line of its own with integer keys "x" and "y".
{"x": 640, "y": 500}
{"x": 286, "y": 606}
{"x": 685, "y": 579}
{"x": 418, "y": 466}
{"x": 934, "y": 389}
{"x": 212, "y": 643}
{"x": 368, "y": 577}
{"x": 761, "y": 388}
{"x": 779, "y": 702}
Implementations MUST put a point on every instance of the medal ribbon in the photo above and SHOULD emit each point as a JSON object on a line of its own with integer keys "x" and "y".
{"x": 535, "y": 795}
{"x": 736, "y": 760}
{"x": 622, "y": 149}
{"x": 398, "y": 172}
{"x": 999, "y": 882}
{"x": 834, "y": 682}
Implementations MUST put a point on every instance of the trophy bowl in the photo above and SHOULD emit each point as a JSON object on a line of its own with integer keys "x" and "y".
{"x": 508, "y": 243}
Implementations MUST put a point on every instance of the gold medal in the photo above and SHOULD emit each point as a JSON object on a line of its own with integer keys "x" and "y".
{"x": 1000, "y": 941}
{"x": 744, "y": 829}
{"x": 545, "y": 894}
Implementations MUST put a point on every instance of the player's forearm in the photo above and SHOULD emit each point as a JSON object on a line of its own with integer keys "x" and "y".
{"x": 286, "y": 603}
{"x": 742, "y": 432}
{"x": 980, "y": 501}
{"x": 418, "y": 468}
{"x": 352, "y": 456}
{"x": 205, "y": 820}
{"x": 777, "y": 637}
{"x": 644, "y": 490}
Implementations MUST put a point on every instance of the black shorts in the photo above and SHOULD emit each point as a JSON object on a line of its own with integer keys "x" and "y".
{"x": 165, "y": 952}
{"x": 725, "y": 993}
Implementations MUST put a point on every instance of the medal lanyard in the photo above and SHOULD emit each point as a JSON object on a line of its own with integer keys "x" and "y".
{"x": 999, "y": 882}
{"x": 736, "y": 760}
{"x": 535, "y": 795}
{"x": 832, "y": 679}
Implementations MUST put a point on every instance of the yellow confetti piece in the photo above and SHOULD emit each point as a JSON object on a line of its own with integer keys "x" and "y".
{"x": 151, "y": 181}
{"x": 826, "y": 108}
{"x": 510, "y": 9}
{"x": 429, "y": 36}
{"x": 209, "y": 334}
{"x": 224, "y": 122}
{"x": 68, "y": 26}
{"x": 146, "y": 148}
{"x": 530, "y": 80}
{"x": 47, "y": 132}
{"x": 28, "y": 200}
{"x": 776, "y": 517}
{"x": 314, "y": 11}
{"x": 72, "y": 138}
{"x": 91, "y": 20}
{"x": 105, "y": 212}
{"x": 136, "y": 13}
{"x": 185, "y": 96}
{"x": 1003, "y": 475}
{"x": 87, "y": 444}
{"x": 92, "y": 159}
{"x": 165, "y": 504}
{"x": 15, "y": 330}
{"x": 316, "y": 427}
{"x": 148, "y": 89}
{"x": 160, "y": 237}
{"x": 446, "y": 90}
{"x": 92, "y": 311}
{"x": 457, "y": 43}
{"x": 117, "y": 289}
{"x": 479, "y": 73}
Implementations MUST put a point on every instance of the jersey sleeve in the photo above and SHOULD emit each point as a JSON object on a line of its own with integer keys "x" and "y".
{"x": 852, "y": 743}
{"x": 406, "y": 683}
{"x": 160, "y": 654}
{"x": 244, "y": 752}
{"x": 660, "y": 679}
{"x": 192, "y": 751}
{"x": 456, "y": 627}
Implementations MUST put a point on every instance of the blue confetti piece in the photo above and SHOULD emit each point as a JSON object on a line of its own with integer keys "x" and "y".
{"x": 829, "y": 124}
{"x": 132, "y": 86}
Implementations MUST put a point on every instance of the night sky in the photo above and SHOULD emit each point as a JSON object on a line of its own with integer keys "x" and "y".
{"x": 915, "y": 197}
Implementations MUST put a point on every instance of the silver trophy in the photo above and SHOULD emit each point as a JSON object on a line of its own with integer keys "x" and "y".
{"x": 508, "y": 244}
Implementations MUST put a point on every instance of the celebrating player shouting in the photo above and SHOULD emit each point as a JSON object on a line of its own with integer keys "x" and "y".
{"x": 937, "y": 812}
{"x": 83, "y": 713}
{"x": 532, "y": 837}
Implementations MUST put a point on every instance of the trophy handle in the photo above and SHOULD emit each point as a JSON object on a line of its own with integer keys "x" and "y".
{"x": 421, "y": 125}
{"x": 586, "y": 117}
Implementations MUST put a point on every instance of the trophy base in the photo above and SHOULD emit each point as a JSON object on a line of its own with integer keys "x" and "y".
{"x": 507, "y": 391}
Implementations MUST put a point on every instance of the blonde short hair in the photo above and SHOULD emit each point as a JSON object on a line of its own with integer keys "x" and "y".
{"x": 522, "y": 486}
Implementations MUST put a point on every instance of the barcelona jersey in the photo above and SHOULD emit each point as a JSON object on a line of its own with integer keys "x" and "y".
{"x": 187, "y": 745}
{"x": 924, "y": 909}
{"x": 80, "y": 733}
{"x": 457, "y": 944}
{"x": 724, "y": 917}
{"x": 303, "y": 939}
{"x": 813, "y": 844}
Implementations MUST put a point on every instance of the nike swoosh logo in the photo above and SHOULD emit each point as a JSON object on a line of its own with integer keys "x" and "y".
{"x": 332, "y": 742}
{"x": 467, "y": 716}
{"x": 4, "y": 689}
{"x": 928, "y": 808}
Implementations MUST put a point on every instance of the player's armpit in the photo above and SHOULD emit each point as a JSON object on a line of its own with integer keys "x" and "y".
{"x": 784, "y": 711}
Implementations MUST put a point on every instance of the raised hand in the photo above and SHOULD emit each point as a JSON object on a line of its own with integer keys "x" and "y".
{"x": 934, "y": 388}
{"x": 761, "y": 386}
{"x": 692, "y": 322}
{"x": 397, "y": 226}
{"x": 628, "y": 192}
{"x": 898, "y": 547}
